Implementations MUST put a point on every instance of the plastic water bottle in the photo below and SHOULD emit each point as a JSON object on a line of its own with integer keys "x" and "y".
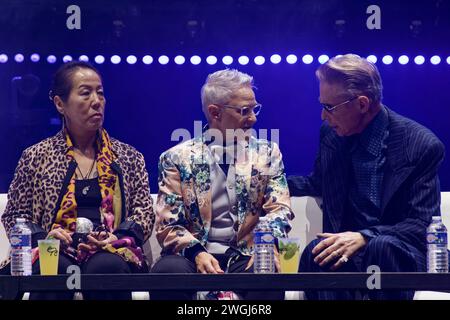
{"x": 437, "y": 255}
{"x": 264, "y": 244}
{"x": 20, "y": 239}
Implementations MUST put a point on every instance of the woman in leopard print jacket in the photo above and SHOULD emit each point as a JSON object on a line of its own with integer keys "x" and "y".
{"x": 82, "y": 172}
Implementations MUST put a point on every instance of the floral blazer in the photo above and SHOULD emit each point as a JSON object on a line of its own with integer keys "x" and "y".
{"x": 183, "y": 208}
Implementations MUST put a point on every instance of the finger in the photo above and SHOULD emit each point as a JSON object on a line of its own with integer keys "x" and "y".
{"x": 61, "y": 235}
{"x": 85, "y": 247}
{"x": 209, "y": 267}
{"x": 249, "y": 264}
{"x": 216, "y": 266}
{"x": 65, "y": 236}
{"x": 93, "y": 241}
{"x": 339, "y": 263}
{"x": 322, "y": 245}
{"x": 201, "y": 269}
{"x": 68, "y": 237}
{"x": 325, "y": 235}
{"x": 328, "y": 255}
{"x": 277, "y": 263}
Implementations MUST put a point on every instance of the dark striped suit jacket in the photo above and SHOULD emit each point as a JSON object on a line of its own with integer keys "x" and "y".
{"x": 410, "y": 192}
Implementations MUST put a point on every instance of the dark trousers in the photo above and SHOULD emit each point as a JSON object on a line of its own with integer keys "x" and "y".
{"x": 99, "y": 263}
{"x": 387, "y": 252}
{"x": 179, "y": 264}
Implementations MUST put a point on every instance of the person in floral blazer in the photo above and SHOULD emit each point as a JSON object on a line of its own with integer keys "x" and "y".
{"x": 195, "y": 231}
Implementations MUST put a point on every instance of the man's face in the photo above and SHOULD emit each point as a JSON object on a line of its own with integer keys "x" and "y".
{"x": 231, "y": 118}
{"x": 345, "y": 119}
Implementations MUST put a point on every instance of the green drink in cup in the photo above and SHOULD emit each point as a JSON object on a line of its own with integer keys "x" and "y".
{"x": 48, "y": 256}
{"x": 289, "y": 249}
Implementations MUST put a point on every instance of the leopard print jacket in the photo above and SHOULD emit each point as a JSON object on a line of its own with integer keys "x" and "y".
{"x": 44, "y": 171}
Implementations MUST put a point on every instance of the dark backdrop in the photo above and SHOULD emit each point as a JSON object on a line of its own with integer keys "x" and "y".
{"x": 145, "y": 103}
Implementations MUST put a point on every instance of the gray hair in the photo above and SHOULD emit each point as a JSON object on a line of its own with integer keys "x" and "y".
{"x": 221, "y": 85}
{"x": 356, "y": 74}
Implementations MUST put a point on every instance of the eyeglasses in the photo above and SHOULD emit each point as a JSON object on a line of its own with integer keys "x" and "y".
{"x": 246, "y": 111}
{"x": 330, "y": 108}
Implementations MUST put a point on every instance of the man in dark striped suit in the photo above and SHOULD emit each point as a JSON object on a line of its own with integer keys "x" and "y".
{"x": 377, "y": 174}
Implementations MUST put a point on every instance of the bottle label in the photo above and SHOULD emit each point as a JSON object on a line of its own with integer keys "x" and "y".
{"x": 264, "y": 237}
{"x": 437, "y": 238}
{"x": 22, "y": 240}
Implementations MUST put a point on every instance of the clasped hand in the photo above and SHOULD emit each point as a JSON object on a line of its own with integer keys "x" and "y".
{"x": 337, "y": 248}
{"x": 95, "y": 240}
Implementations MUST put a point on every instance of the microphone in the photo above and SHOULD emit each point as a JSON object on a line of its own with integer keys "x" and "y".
{"x": 84, "y": 228}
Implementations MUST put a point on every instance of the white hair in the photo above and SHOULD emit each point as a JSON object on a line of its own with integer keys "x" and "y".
{"x": 221, "y": 85}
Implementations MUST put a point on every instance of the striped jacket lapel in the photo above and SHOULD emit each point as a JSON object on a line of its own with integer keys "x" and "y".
{"x": 397, "y": 165}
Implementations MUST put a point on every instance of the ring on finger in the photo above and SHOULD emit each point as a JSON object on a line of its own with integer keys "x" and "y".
{"x": 344, "y": 259}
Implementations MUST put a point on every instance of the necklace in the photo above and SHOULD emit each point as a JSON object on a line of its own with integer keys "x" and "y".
{"x": 86, "y": 189}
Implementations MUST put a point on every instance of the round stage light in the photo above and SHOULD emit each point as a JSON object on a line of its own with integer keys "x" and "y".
{"x": 291, "y": 59}
{"x": 163, "y": 60}
{"x": 243, "y": 60}
{"x": 372, "y": 58}
{"x": 419, "y": 60}
{"x": 387, "y": 59}
{"x": 115, "y": 59}
{"x": 99, "y": 59}
{"x": 131, "y": 59}
{"x": 67, "y": 58}
{"x": 307, "y": 59}
{"x": 403, "y": 59}
{"x": 259, "y": 60}
{"x": 51, "y": 59}
{"x": 19, "y": 58}
{"x": 211, "y": 60}
{"x": 435, "y": 60}
{"x": 3, "y": 58}
{"x": 323, "y": 58}
{"x": 179, "y": 60}
{"x": 84, "y": 58}
{"x": 275, "y": 59}
{"x": 35, "y": 57}
{"x": 227, "y": 60}
{"x": 147, "y": 59}
{"x": 195, "y": 60}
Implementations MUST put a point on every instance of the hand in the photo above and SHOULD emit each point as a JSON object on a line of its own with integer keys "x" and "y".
{"x": 336, "y": 245}
{"x": 60, "y": 234}
{"x": 206, "y": 263}
{"x": 97, "y": 241}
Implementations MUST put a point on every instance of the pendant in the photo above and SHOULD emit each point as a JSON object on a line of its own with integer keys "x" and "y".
{"x": 85, "y": 190}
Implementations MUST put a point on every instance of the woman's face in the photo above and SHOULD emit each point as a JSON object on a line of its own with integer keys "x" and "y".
{"x": 85, "y": 106}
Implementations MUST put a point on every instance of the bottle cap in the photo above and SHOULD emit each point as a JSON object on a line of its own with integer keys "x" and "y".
{"x": 436, "y": 218}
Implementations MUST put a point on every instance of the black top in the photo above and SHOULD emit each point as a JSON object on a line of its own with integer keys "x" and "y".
{"x": 89, "y": 199}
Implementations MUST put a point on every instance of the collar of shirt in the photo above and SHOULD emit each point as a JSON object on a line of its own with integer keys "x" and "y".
{"x": 371, "y": 139}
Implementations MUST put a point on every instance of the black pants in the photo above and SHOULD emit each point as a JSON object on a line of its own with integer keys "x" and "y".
{"x": 179, "y": 264}
{"x": 99, "y": 263}
{"x": 387, "y": 252}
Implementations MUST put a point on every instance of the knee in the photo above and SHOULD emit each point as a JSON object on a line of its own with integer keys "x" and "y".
{"x": 105, "y": 262}
{"x": 173, "y": 264}
{"x": 307, "y": 259}
{"x": 381, "y": 250}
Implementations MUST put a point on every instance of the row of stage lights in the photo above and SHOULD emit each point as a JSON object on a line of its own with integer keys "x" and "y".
{"x": 226, "y": 60}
